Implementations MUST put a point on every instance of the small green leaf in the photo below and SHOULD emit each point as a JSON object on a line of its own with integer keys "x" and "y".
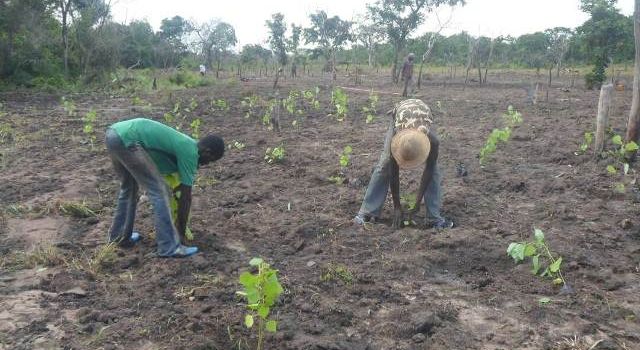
{"x": 248, "y": 321}
{"x": 539, "y": 235}
{"x": 631, "y": 146}
{"x": 617, "y": 140}
{"x": 611, "y": 169}
{"x": 529, "y": 250}
{"x": 348, "y": 149}
{"x": 255, "y": 261}
{"x": 544, "y": 300}
{"x": 555, "y": 267}
{"x": 558, "y": 281}
{"x": 619, "y": 187}
{"x": 271, "y": 326}
{"x": 626, "y": 168}
{"x": 516, "y": 251}
{"x": 263, "y": 311}
{"x": 536, "y": 264}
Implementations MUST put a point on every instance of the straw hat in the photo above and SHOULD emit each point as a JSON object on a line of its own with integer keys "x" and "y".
{"x": 410, "y": 147}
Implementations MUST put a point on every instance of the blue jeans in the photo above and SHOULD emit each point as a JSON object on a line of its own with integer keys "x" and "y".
{"x": 135, "y": 169}
{"x": 379, "y": 184}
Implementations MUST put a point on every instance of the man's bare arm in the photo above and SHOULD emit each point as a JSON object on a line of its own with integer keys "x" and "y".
{"x": 429, "y": 168}
{"x": 184, "y": 206}
{"x": 395, "y": 193}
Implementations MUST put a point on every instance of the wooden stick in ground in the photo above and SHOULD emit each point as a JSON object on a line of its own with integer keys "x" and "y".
{"x": 604, "y": 105}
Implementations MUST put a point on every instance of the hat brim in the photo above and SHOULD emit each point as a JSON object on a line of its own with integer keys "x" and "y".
{"x": 410, "y": 148}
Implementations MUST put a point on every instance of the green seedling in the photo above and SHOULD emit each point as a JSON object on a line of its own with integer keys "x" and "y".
{"x": 88, "y": 129}
{"x": 620, "y": 157}
{"x": 311, "y": 97}
{"x": 512, "y": 117}
{"x": 409, "y": 201}
{"x": 291, "y": 102}
{"x": 250, "y": 103}
{"x": 261, "y": 291}
{"x": 370, "y": 110}
{"x": 338, "y": 180}
{"x": 496, "y": 136}
{"x": 274, "y": 155}
{"x": 340, "y": 101}
{"x": 220, "y": 104}
{"x": 195, "y": 128}
{"x": 543, "y": 261}
{"x": 173, "y": 181}
{"x": 69, "y": 106}
{"x": 345, "y": 156}
{"x": 586, "y": 143}
{"x": 193, "y": 104}
{"x": 237, "y": 145}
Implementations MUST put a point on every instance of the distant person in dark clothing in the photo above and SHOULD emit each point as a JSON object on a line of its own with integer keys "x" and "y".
{"x": 407, "y": 74}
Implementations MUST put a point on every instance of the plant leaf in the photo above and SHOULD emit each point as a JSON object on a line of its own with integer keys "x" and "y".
{"x": 611, "y": 169}
{"x": 558, "y": 281}
{"x": 248, "y": 321}
{"x": 555, "y": 267}
{"x": 263, "y": 311}
{"x": 529, "y": 250}
{"x": 255, "y": 261}
{"x": 544, "y": 300}
{"x": 516, "y": 251}
{"x": 631, "y": 146}
{"x": 539, "y": 235}
{"x": 626, "y": 168}
{"x": 536, "y": 264}
{"x": 271, "y": 326}
{"x": 617, "y": 140}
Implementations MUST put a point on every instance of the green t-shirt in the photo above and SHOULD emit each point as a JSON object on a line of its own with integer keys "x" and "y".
{"x": 171, "y": 150}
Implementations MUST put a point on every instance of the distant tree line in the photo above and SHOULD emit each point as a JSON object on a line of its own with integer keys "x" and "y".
{"x": 59, "y": 41}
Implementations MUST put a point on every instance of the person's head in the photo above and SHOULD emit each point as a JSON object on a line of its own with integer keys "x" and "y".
{"x": 210, "y": 149}
{"x": 410, "y": 147}
{"x": 411, "y": 56}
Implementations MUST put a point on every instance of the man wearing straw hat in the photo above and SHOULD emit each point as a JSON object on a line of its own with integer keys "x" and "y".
{"x": 410, "y": 142}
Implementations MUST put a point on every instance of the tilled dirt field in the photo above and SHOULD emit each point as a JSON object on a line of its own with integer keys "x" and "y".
{"x": 345, "y": 287}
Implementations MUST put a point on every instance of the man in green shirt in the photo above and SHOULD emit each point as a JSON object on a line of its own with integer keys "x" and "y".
{"x": 142, "y": 150}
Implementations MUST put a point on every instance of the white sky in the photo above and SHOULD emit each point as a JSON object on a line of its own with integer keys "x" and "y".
{"x": 478, "y": 17}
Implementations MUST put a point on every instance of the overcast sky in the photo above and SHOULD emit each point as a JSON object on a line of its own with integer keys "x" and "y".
{"x": 479, "y": 17}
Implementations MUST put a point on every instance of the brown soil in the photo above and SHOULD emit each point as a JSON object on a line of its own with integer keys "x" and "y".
{"x": 414, "y": 288}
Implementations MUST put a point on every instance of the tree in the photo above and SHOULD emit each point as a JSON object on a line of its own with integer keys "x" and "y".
{"x": 255, "y": 53}
{"x": 602, "y": 35}
{"x": 215, "y": 39}
{"x": 292, "y": 45}
{"x": 170, "y": 45}
{"x": 65, "y": 13}
{"x": 368, "y": 35}
{"x": 558, "y": 39}
{"x": 138, "y": 44}
{"x": 634, "y": 113}
{"x": 400, "y": 18}
{"x": 277, "y": 29}
{"x": 330, "y": 34}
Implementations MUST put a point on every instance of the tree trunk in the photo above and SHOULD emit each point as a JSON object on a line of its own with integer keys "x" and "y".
{"x": 604, "y": 105}
{"x": 634, "y": 113}
{"x": 394, "y": 68}
{"x": 218, "y": 68}
{"x": 333, "y": 66}
{"x": 549, "y": 84}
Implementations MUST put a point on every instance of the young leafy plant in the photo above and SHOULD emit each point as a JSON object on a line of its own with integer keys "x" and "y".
{"x": 620, "y": 157}
{"x": 88, "y": 128}
{"x": 512, "y": 118}
{"x": 312, "y": 97}
{"x": 68, "y": 106}
{"x": 345, "y": 156}
{"x": 370, "y": 110}
{"x": 274, "y": 155}
{"x": 340, "y": 101}
{"x": 543, "y": 261}
{"x": 249, "y": 102}
{"x": 261, "y": 291}
{"x": 195, "y": 128}
{"x": 220, "y": 104}
{"x": 586, "y": 143}
{"x": 237, "y": 145}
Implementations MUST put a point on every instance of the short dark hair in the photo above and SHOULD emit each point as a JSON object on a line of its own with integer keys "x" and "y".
{"x": 214, "y": 144}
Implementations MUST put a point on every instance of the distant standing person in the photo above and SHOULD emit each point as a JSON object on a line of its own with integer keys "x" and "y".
{"x": 407, "y": 74}
{"x": 410, "y": 141}
{"x": 203, "y": 70}
{"x": 141, "y": 150}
